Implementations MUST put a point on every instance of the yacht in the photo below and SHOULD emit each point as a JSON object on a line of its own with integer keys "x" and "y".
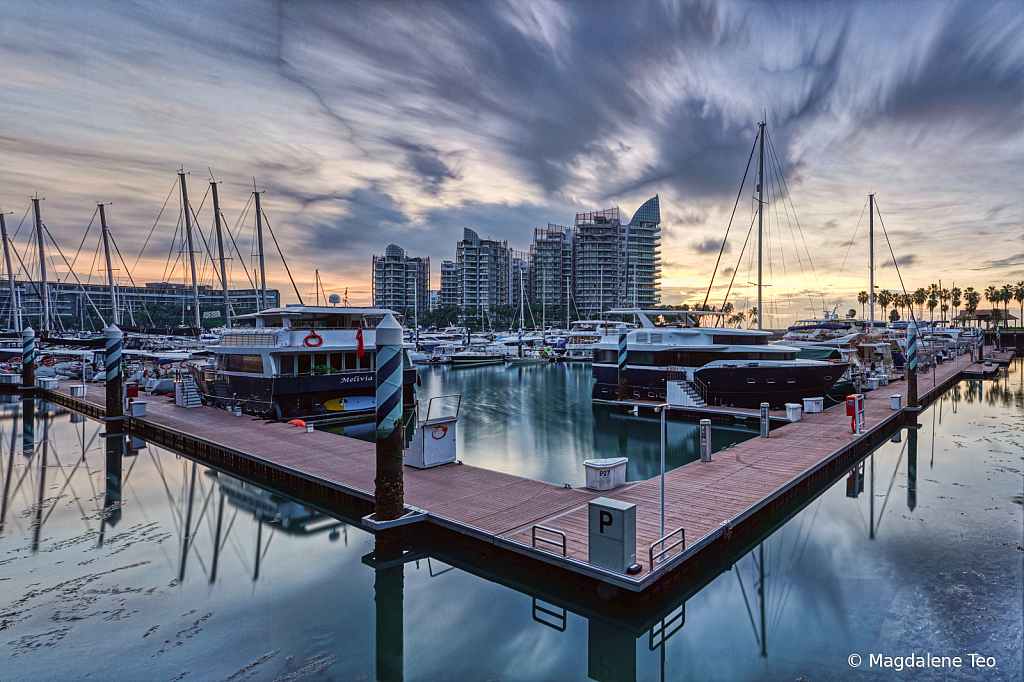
{"x": 717, "y": 365}
{"x": 299, "y": 361}
{"x": 584, "y": 335}
{"x": 475, "y": 356}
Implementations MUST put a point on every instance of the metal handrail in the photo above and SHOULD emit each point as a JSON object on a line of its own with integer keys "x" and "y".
{"x": 665, "y": 550}
{"x": 550, "y": 542}
{"x": 660, "y": 632}
{"x": 561, "y": 619}
{"x": 702, "y": 388}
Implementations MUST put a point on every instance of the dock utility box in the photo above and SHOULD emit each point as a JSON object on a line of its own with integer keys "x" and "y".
{"x": 612, "y": 536}
{"x": 606, "y": 474}
{"x": 434, "y": 442}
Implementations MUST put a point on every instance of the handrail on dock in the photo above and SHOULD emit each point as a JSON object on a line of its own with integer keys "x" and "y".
{"x": 660, "y": 556}
{"x": 550, "y": 542}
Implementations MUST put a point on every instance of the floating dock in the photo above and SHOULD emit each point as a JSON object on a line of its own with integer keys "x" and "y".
{"x": 716, "y": 503}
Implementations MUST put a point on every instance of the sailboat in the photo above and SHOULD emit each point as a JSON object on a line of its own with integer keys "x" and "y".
{"x": 535, "y": 357}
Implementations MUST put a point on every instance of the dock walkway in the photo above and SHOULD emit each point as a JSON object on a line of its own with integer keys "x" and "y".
{"x": 705, "y": 499}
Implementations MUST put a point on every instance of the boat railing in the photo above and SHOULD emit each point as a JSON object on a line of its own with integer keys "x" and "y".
{"x": 701, "y": 388}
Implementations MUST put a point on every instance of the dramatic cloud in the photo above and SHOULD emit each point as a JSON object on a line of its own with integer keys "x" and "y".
{"x": 369, "y": 123}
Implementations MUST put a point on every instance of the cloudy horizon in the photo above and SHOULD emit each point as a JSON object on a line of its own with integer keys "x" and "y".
{"x": 367, "y": 124}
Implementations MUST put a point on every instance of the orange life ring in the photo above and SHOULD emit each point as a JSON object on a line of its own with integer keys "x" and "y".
{"x": 183, "y": 364}
{"x": 50, "y": 362}
{"x": 442, "y": 430}
{"x": 313, "y": 340}
{"x": 145, "y": 374}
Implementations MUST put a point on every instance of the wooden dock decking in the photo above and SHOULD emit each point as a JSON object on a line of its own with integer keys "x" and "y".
{"x": 705, "y": 499}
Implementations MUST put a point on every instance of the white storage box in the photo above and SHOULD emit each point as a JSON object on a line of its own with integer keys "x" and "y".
{"x": 812, "y": 405}
{"x": 138, "y": 408}
{"x": 77, "y": 391}
{"x": 895, "y": 401}
{"x": 794, "y": 412}
{"x": 606, "y": 474}
{"x": 872, "y": 383}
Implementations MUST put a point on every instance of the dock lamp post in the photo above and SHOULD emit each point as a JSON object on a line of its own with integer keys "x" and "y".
{"x": 663, "y": 409}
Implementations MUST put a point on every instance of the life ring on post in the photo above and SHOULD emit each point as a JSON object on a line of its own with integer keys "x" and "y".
{"x": 313, "y": 340}
{"x": 50, "y": 362}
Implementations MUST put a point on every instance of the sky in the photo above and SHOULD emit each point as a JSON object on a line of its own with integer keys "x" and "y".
{"x": 370, "y": 123}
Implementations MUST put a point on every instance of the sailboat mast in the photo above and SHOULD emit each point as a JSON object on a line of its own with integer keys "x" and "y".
{"x": 45, "y": 326}
{"x": 259, "y": 241}
{"x": 110, "y": 270}
{"x": 760, "y": 232}
{"x": 191, "y": 251}
{"x": 14, "y": 319}
{"x": 871, "y": 256}
{"x": 220, "y": 252}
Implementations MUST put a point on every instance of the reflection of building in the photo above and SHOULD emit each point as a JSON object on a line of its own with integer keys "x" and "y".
{"x": 72, "y": 302}
{"x": 551, "y": 265}
{"x": 401, "y": 283}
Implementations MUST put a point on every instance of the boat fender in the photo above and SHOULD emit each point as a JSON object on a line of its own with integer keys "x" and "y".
{"x": 313, "y": 340}
{"x": 50, "y": 362}
{"x": 419, "y": 380}
{"x": 298, "y": 422}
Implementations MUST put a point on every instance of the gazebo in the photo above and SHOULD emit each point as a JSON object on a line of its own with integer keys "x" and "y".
{"x": 985, "y": 316}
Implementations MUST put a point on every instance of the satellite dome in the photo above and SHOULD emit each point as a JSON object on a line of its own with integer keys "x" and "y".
{"x": 334, "y": 299}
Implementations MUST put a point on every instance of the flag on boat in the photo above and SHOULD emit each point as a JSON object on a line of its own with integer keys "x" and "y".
{"x": 359, "y": 340}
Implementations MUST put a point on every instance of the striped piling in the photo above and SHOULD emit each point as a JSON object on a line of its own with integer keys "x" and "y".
{"x": 912, "y": 364}
{"x": 28, "y": 359}
{"x": 389, "y": 489}
{"x": 115, "y": 407}
{"x": 622, "y": 361}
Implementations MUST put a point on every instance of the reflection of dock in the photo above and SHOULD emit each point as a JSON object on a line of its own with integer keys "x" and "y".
{"x": 717, "y": 503}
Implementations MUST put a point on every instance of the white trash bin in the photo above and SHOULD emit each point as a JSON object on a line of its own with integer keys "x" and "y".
{"x": 812, "y": 405}
{"x": 138, "y": 408}
{"x": 872, "y": 383}
{"x": 606, "y": 474}
{"x": 895, "y": 401}
{"x": 794, "y": 412}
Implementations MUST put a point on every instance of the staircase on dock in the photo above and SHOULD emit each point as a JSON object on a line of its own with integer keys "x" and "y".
{"x": 186, "y": 394}
{"x": 684, "y": 393}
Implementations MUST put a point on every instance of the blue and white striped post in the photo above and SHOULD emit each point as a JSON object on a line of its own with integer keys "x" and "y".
{"x": 520, "y": 342}
{"x": 912, "y": 364}
{"x": 115, "y": 401}
{"x": 28, "y": 358}
{"x": 389, "y": 489}
{"x": 622, "y": 361}
{"x": 998, "y": 341}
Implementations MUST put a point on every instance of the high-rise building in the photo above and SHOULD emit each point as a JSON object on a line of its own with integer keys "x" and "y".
{"x": 483, "y": 272}
{"x": 435, "y": 299}
{"x": 617, "y": 265}
{"x": 400, "y": 282}
{"x": 551, "y": 260}
{"x": 449, "y": 284}
{"x": 519, "y": 280}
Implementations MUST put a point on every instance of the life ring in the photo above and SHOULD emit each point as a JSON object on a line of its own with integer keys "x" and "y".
{"x": 50, "y": 362}
{"x": 442, "y": 430}
{"x": 313, "y": 340}
{"x": 183, "y": 364}
{"x": 145, "y": 374}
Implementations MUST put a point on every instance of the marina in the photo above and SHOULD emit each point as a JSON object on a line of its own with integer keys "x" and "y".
{"x": 708, "y": 501}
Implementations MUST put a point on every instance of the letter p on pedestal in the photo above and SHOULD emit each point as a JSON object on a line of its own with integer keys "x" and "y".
{"x": 612, "y": 536}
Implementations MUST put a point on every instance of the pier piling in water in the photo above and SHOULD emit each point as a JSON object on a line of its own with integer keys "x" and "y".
{"x": 28, "y": 358}
{"x": 115, "y": 408}
{"x": 389, "y": 488}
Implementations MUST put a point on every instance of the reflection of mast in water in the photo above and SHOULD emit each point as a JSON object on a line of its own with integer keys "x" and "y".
{"x": 10, "y": 467}
{"x": 188, "y": 525}
{"x": 216, "y": 538}
{"x": 114, "y": 449}
{"x": 42, "y": 482}
{"x": 912, "y": 465}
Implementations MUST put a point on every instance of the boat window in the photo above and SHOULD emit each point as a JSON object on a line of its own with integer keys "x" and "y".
{"x": 305, "y": 363}
{"x": 366, "y": 362}
{"x": 337, "y": 361}
{"x": 350, "y": 360}
{"x": 828, "y": 378}
{"x": 655, "y": 338}
{"x": 641, "y": 338}
{"x": 751, "y": 380}
{"x": 287, "y": 364}
{"x": 640, "y": 357}
{"x": 793, "y": 381}
{"x": 771, "y": 381}
{"x": 251, "y": 364}
{"x": 319, "y": 359}
{"x": 608, "y": 357}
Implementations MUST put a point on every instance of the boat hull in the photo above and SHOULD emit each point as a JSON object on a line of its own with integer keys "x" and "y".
{"x": 738, "y": 386}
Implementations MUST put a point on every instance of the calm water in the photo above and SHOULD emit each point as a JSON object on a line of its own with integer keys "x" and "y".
{"x": 100, "y": 590}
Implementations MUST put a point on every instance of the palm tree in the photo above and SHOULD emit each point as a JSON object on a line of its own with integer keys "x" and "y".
{"x": 852, "y": 312}
{"x": 920, "y": 296}
{"x": 956, "y": 301}
{"x": 992, "y": 295}
{"x": 862, "y": 298}
{"x": 932, "y": 303}
{"x": 884, "y": 298}
{"x": 1006, "y": 295}
{"x": 894, "y": 315}
{"x": 1018, "y": 295}
{"x": 971, "y": 300}
{"x": 753, "y": 315}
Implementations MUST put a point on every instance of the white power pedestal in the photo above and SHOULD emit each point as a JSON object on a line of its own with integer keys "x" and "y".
{"x": 612, "y": 537}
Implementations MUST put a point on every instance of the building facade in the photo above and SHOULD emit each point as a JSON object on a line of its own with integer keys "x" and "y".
{"x": 449, "y": 284}
{"x": 400, "y": 282}
{"x": 551, "y": 260}
{"x": 483, "y": 271}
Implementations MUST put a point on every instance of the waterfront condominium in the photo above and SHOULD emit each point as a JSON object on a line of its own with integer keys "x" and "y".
{"x": 483, "y": 269}
{"x": 551, "y": 266}
{"x": 617, "y": 265}
{"x": 400, "y": 282}
{"x": 449, "y": 284}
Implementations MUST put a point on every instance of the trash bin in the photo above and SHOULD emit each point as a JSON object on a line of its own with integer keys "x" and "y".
{"x": 138, "y": 408}
{"x": 812, "y": 405}
{"x": 77, "y": 391}
{"x": 606, "y": 474}
{"x": 895, "y": 400}
{"x": 872, "y": 383}
{"x": 794, "y": 412}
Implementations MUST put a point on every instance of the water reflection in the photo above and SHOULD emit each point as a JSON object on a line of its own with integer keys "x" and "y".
{"x": 206, "y": 576}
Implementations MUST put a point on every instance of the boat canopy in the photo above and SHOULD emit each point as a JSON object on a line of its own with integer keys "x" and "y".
{"x": 818, "y": 354}
{"x": 307, "y": 317}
